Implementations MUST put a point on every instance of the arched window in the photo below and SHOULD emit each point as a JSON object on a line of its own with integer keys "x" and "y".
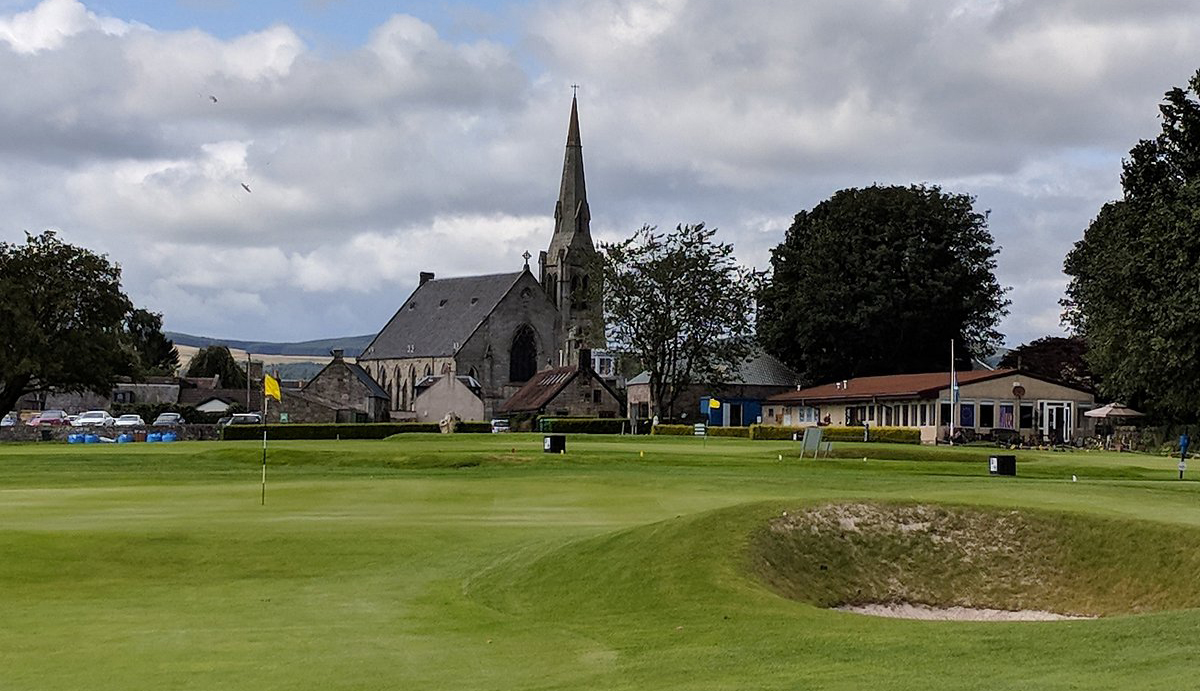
{"x": 428, "y": 370}
{"x": 403, "y": 397}
{"x": 522, "y": 358}
{"x": 445, "y": 368}
{"x": 552, "y": 286}
{"x": 579, "y": 292}
{"x": 398, "y": 399}
{"x": 412, "y": 387}
{"x": 389, "y": 392}
{"x": 473, "y": 373}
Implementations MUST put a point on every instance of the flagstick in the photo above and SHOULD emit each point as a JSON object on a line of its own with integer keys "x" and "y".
{"x": 263, "y": 501}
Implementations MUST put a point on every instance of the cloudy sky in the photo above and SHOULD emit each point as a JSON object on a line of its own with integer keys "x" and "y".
{"x": 382, "y": 139}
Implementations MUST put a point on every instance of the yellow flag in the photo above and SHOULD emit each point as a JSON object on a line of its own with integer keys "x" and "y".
{"x": 714, "y": 403}
{"x": 271, "y": 387}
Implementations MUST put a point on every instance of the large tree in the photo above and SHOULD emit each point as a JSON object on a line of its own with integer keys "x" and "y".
{"x": 217, "y": 361}
{"x": 679, "y": 304}
{"x": 62, "y": 319}
{"x": 879, "y": 281}
{"x": 152, "y": 352}
{"x": 1061, "y": 358}
{"x": 1133, "y": 293}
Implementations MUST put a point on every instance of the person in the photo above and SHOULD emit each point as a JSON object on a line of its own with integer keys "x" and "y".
{"x": 1184, "y": 441}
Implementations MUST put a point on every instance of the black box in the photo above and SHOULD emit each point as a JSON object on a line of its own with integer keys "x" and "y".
{"x": 555, "y": 443}
{"x": 1002, "y": 465}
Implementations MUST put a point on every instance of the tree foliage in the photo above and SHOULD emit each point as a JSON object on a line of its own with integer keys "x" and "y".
{"x": 1058, "y": 358}
{"x": 878, "y": 281}
{"x": 152, "y": 352}
{"x": 1133, "y": 294}
{"x": 680, "y": 304}
{"x": 61, "y": 320}
{"x": 214, "y": 361}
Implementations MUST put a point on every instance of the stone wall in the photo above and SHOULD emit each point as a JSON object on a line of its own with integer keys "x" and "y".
{"x": 24, "y": 433}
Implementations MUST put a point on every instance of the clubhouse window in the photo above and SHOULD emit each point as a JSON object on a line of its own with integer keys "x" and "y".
{"x": 945, "y": 413}
{"x": 1026, "y": 416}
{"x": 987, "y": 414}
{"x": 966, "y": 414}
{"x": 1006, "y": 420}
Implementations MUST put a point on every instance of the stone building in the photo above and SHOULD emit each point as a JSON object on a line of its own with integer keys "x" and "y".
{"x": 341, "y": 392}
{"x": 569, "y": 391}
{"x": 498, "y": 329}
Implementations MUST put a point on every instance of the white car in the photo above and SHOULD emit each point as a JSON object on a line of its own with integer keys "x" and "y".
{"x": 94, "y": 418}
{"x": 500, "y": 426}
{"x": 130, "y": 421}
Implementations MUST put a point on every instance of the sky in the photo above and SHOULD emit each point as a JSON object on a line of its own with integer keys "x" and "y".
{"x": 379, "y": 140}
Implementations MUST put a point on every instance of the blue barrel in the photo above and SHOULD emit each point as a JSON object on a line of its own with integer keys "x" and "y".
{"x": 74, "y": 438}
{"x": 154, "y": 436}
{"x": 91, "y": 439}
{"x": 124, "y": 438}
{"x": 169, "y": 436}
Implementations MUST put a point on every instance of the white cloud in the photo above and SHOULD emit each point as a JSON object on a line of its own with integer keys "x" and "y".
{"x": 49, "y": 24}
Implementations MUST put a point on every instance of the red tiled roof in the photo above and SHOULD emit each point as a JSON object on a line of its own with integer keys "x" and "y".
{"x": 888, "y": 386}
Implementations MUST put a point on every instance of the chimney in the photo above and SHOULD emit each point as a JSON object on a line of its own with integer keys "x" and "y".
{"x": 338, "y": 354}
{"x": 585, "y": 359}
{"x": 426, "y": 276}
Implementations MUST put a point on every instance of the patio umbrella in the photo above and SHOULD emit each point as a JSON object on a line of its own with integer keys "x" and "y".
{"x": 1113, "y": 410}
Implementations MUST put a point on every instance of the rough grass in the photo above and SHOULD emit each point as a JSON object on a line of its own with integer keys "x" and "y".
{"x": 479, "y": 562}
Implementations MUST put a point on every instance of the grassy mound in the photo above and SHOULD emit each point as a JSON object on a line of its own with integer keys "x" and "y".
{"x": 862, "y": 553}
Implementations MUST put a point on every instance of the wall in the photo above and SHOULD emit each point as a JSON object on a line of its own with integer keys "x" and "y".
{"x": 578, "y": 399}
{"x": 339, "y": 384}
{"x": 447, "y": 395}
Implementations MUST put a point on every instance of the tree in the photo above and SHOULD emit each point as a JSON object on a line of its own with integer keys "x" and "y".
{"x": 680, "y": 304}
{"x": 152, "y": 352}
{"x": 878, "y": 281}
{"x": 1133, "y": 295}
{"x": 214, "y": 361}
{"x": 62, "y": 319}
{"x": 1058, "y": 358}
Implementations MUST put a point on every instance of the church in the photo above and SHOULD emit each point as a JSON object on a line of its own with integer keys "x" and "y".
{"x": 477, "y": 340}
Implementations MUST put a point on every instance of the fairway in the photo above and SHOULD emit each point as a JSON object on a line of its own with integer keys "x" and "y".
{"x": 479, "y": 562}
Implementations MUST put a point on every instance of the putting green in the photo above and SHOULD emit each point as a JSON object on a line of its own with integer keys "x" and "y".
{"x": 479, "y": 563}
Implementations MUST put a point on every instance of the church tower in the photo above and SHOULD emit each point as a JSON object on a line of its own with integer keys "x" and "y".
{"x": 569, "y": 268}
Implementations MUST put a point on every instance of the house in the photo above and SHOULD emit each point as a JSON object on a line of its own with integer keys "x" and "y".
{"x": 341, "y": 392}
{"x": 569, "y": 391}
{"x": 1005, "y": 401}
{"x": 741, "y": 393}
{"x": 438, "y": 396}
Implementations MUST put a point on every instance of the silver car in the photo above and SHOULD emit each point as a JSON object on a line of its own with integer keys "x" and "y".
{"x": 94, "y": 418}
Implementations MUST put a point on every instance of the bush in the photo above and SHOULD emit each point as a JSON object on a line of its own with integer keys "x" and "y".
{"x": 740, "y": 432}
{"x": 584, "y": 425}
{"x": 897, "y": 435}
{"x": 673, "y": 430}
{"x": 774, "y": 433}
{"x": 372, "y": 430}
{"x": 474, "y": 427}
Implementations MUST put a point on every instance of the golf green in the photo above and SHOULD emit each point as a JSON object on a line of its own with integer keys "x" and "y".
{"x": 479, "y": 562}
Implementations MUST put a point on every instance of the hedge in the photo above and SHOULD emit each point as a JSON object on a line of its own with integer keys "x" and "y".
{"x": 584, "y": 425}
{"x": 741, "y": 432}
{"x": 899, "y": 435}
{"x": 673, "y": 430}
{"x": 374, "y": 430}
{"x": 774, "y": 433}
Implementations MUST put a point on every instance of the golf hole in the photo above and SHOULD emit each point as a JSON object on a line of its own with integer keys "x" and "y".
{"x": 926, "y": 561}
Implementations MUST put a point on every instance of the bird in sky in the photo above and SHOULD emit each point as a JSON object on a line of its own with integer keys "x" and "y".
{"x": 246, "y": 187}
{"x": 212, "y": 98}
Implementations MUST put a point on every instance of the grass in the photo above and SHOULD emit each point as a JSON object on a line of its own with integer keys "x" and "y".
{"x": 479, "y": 562}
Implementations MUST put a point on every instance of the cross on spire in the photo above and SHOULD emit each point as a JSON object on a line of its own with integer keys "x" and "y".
{"x": 574, "y": 90}
{"x": 526, "y": 257}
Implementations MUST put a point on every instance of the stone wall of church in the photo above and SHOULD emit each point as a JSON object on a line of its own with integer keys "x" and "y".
{"x": 488, "y": 350}
{"x": 398, "y": 376}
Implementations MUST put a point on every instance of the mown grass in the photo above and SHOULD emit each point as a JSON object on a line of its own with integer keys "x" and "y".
{"x": 479, "y": 562}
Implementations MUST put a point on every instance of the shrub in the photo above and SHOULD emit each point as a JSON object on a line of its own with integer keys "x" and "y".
{"x": 775, "y": 433}
{"x": 673, "y": 430}
{"x": 898, "y": 435}
{"x": 374, "y": 430}
{"x": 741, "y": 432}
{"x": 584, "y": 425}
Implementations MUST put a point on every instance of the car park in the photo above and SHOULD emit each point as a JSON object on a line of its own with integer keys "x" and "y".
{"x": 95, "y": 418}
{"x": 168, "y": 420}
{"x": 8, "y": 420}
{"x": 49, "y": 418}
{"x": 130, "y": 421}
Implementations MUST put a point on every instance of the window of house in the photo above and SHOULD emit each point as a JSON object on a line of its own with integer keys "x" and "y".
{"x": 1026, "y": 416}
{"x": 522, "y": 357}
{"x": 595, "y": 395}
{"x": 1005, "y": 418}
{"x": 987, "y": 414}
{"x": 924, "y": 415}
{"x": 966, "y": 414}
{"x": 944, "y": 418}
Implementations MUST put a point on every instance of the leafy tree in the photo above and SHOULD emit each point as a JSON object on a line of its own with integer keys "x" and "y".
{"x": 216, "y": 360}
{"x": 153, "y": 353}
{"x": 878, "y": 281}
{"x": 1054, "y": 357}
{"x": 62, "y": 319}
{"x": 679, "y": 304}
{"x": 1133, "y": 295}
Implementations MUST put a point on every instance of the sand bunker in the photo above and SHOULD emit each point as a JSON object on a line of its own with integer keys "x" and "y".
{"x": 906, "y": 611}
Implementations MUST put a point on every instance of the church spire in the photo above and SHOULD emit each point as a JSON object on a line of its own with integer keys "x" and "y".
{"x": 572, "y": 218}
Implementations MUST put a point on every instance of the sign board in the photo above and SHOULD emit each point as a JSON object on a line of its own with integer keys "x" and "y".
{"x": 700, "y": 429}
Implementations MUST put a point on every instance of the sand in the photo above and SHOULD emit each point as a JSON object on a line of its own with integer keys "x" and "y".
{"x": 907, "y": 611}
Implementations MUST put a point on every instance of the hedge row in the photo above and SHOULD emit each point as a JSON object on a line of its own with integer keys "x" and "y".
{"x": 774, "y": 433}
{"x": 742, "y": 432}
{"x": 585, "y": 425}
{"x": 376, "y": 430}
{"x": 673, "y": 430}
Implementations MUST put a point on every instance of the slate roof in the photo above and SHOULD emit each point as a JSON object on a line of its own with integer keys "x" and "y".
{"x": 540, "y": 390}
{"x": 439, "y": 316}
{"x": 759, "y": 369}
{"x": 895, "y": 386}
{"x": 373, "y": 386}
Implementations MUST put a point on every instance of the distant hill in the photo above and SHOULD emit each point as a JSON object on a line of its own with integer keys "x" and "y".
{"x": 353, "y": 345}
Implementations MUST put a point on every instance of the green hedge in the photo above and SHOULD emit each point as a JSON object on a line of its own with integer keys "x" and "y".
{"x": 376, "y": 430}
{"x": 673, "y": 430}
{"x": 898, "y": 435}
{"x": 741, "y": 432}
{"x": 584, "y": 425}
{"x": 774, "y": 433}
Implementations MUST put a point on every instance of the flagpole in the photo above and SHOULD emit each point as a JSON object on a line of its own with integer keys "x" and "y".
{"x": 263, "y": 500}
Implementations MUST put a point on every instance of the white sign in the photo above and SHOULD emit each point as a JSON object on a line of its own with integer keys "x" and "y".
{"x": 546, "y": 444}
{"x": 993, "y": 465}
{"x": 699, "y": 430}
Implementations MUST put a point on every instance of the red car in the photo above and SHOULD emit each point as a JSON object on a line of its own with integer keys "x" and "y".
{"x": 49, "y": 418}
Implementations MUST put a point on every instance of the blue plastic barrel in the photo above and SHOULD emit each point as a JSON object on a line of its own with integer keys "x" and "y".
{"x": 169, "y": 436}
{"x": 74, "y": 438}
{"x": 124, "y": 438}
{"x": 91, "y": 439}
{"x": 154, "y": 436}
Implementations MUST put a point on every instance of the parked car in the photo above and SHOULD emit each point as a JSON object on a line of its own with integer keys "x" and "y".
{"x": 169, "y": 420}
{"x": 130, "y": 421}
{"x": 500, "y": 426}
{"x": 95, "y": 418}
{"x": 8, "y": 420}
{"x": 244, "y": 419}
{"x": 49, "y": 418}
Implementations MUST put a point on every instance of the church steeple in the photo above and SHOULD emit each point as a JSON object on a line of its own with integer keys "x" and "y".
{"x": 568, "y": 263}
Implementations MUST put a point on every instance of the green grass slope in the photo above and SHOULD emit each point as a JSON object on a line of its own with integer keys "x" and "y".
{"x": 478, "y": 562}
